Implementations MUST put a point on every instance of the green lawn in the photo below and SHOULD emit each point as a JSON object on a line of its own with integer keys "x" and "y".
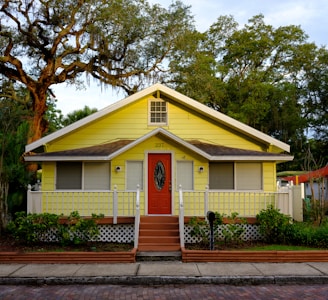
{"x": 280, "y": 248}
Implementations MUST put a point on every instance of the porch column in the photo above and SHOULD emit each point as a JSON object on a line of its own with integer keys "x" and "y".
{"x": 29, "y": 199}
{"x": 206, "y": 200}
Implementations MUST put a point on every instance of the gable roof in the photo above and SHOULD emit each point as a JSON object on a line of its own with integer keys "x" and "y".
{"x": 106, "y": 152}
{"x": 177, "y": 97}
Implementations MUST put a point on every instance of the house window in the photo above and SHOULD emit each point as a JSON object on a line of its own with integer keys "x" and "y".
{"x": 185, "y": 178}
{"x": 86, "y": 176}
{"x": 235, "y": 176}
{"x": 221, "y": 176}
{"x": 69, "y": 176}
{"x": 134, "y": 175}
{"x": 248, "y": 176}
{"x": 96, "y": 176}
{"x": 158, "y": 112}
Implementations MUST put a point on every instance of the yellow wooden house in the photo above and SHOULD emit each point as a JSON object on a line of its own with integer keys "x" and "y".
{"x": 157, "y": 153}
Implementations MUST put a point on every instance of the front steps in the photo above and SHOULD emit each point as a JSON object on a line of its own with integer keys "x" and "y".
{"x": 158, "y": 234}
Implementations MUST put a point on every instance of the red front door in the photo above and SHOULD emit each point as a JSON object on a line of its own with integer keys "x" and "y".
{"x": 159, "y": 183}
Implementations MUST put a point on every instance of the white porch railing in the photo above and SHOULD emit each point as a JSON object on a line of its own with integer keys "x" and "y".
{"x": 246, "y": 204}
{"x": 110, "y": 203}
{"x": 192, "y": 203}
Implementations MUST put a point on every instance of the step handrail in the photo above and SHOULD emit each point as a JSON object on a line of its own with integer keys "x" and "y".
{"x": 137, "y": 218}
{"x": 181, "y": 217}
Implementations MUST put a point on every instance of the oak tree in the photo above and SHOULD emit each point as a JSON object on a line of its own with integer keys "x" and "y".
{"x": 122, "y": 43}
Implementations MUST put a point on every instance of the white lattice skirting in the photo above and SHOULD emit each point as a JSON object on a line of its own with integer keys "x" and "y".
{"x": 251, "y": 233}
{"x": 125, "y": 233}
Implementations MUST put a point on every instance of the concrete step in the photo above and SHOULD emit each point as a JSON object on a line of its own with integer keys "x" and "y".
{"x": 158, "y": 256}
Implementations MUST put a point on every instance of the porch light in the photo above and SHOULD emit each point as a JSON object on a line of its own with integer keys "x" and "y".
{"x": 118, "y": 169}
{"x": 201, "y": 169}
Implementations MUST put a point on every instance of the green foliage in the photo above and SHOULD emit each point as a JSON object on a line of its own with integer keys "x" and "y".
{"x": 77, "y": 115}
{"x": 78, "y": 230}
{"x": 243, "y": 71}
{"x": 31, "y": 228}
{"x": 276, "y": 227}
{"x": 13, "y": 137}
{"x": 272, "y": 224}
{"x": 234, "y": 229}
{"x": 320, "y": 236}
{"x": 129, "y": 41}
{"x": 201, "y": 228}
{"x": 307, "y": 234}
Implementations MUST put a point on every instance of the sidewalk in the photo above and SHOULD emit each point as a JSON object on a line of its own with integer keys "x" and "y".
{"x": 152, "y": 273}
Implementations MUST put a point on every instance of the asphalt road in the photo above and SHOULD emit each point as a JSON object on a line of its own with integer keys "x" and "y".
{"x": 159, "y": 292}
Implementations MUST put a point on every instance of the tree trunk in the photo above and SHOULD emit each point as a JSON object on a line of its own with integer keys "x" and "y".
{"x": 4, "y": 189}
{"x": 38, "y": 125}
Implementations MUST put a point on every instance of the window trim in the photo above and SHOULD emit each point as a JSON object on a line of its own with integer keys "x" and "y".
{"x": 150, "y": 112}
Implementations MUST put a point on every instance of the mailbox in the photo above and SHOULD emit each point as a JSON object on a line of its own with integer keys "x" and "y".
{"x": 210, "y": 216}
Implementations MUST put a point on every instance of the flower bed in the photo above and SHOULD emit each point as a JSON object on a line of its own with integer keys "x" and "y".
{"x": 69, "y": 257}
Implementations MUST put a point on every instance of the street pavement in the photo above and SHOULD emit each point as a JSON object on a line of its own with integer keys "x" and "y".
{"x": 165, "y": 272}
{"x": 164, "y": 292}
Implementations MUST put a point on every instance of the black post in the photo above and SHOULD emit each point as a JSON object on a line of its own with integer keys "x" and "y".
{"x": 211, "y": 218}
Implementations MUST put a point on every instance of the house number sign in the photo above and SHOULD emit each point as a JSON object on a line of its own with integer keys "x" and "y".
{"x": 159, "y": 175}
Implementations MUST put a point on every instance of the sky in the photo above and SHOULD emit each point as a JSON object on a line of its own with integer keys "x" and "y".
{"x": 312, "y": 16}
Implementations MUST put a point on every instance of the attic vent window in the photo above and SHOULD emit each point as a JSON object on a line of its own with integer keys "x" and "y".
{"x": 158, "y": 112}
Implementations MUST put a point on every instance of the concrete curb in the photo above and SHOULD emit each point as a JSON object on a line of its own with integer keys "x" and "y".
{"x": 160, "y": 280}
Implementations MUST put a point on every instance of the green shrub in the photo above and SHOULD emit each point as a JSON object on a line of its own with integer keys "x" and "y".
{"x": 200, "y": 228}
{"x": 319, "y": 236}
{"x": 233, "y": 231}
{"x": 273, "y": 224}
{"x": 78, "y": 230}
{"x": 30, "y": 228}
{"x": 297, "y": 234}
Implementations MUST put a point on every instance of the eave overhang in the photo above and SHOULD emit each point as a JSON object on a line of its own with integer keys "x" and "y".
{"x": 107, "y": 152}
